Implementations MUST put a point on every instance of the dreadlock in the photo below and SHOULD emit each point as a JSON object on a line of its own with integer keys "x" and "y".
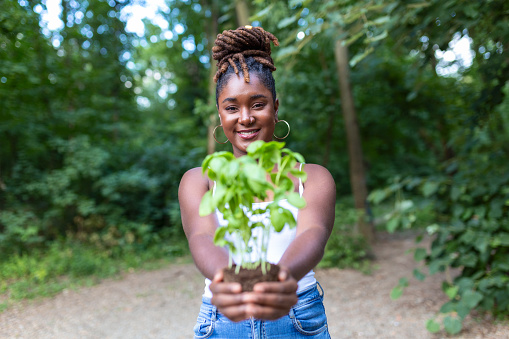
{"x": 246, "y": 48}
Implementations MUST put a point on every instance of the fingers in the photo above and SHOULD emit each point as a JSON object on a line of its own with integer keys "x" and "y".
{"x": 275, "y": 300}
{"x": 219, "y": 276}
{"x": 235, "y": 313}
{"x": 272, "y": 300}
{"x": 225, "y": 294}
{"x": 269, "y": 300}
{"x": 228, "y": 299}
{"x": 265, "y": 312}
{"x": 284, "y": 274}
{"x": 286, "y": 284}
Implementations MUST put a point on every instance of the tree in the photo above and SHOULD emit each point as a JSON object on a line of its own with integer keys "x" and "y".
{"x": 355, "y": 154}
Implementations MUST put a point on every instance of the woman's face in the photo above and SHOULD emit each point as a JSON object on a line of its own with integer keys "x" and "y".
{"x": 247, "y": 112}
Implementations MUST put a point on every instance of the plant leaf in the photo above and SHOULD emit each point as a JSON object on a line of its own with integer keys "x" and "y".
{"x": 432, "y": 326}
{"x": 396, "y": 292}
{"x": 452, "y": 325}
{"x": 419, "y": 254}
{"x": 296, "y": 200}
{"x": 452, "y": 291}
{"x": 206, "y": 204}
{"x": 419, "y": 275}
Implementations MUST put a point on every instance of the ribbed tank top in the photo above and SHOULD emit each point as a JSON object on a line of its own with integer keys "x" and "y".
{"x": 278, "y": 242}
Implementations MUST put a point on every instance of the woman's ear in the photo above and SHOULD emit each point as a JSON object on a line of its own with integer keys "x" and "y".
{"x": 276, "y": 109}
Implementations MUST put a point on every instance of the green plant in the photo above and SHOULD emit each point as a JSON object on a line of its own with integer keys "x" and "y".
{"x": 471, "y": 234}
{"x": 70, "y": 264}
{"x": 239, "y": 182}
{"x": 345, "y": 248}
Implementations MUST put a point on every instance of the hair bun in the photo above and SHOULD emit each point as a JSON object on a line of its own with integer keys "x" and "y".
{"x": 236, "y": 45}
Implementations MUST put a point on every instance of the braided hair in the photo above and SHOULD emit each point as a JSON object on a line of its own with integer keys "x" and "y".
{"x": 246, "y": 48}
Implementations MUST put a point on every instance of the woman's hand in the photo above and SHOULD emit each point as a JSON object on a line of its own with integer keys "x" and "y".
{"x": 272, "y": 300}
{"x": 268, "y": 301}
{"x": 228, "y": 298}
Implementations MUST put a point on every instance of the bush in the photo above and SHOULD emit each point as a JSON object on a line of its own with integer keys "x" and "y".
{"x": 471, "y": 232}
{"x": 345, "y": 249}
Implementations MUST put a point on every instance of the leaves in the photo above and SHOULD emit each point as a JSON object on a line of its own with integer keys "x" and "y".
{"x": 452, "y": 291}
{"x": 419, "y": 275}
{"x": 429, "y": 188}
{"x": 296, "y": 200}
{"x": 207, "y": 205}
{"x": 432, "y": 326}
{"x": 241, "y": 181}
{"x": 419, "y": 254}
{"x": 452, "y": 325}
{"x": 397, "y": 291}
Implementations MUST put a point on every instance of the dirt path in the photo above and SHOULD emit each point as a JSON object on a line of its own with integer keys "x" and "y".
{"x": 165, "y": 303}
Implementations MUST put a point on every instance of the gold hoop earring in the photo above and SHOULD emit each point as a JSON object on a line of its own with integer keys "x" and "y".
{"x": 287, "y": 124}
{"x": 214, "y": 135}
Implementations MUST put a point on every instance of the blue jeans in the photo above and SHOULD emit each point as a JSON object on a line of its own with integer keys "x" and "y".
{"x": 306, "y": 319}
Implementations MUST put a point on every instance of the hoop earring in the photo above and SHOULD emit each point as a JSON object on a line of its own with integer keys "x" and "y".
{"x": 214, "y": 135}
{"x": 287, "y": 124}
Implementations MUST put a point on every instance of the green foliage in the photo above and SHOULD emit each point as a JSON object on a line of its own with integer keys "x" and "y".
{"x": 238, "y": 183}
{"x": 67, "y": 265}
{"x": 397, "y": 291}
{"x": 432, "y": 326}
{"x": 406, "y": 211}
{"x": 345, "y": 249}
{"x": 471, "y": 232}
{"x": 79, "y": 159}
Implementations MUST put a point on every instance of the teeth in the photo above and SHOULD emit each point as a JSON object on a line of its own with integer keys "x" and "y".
{"x": 248, "y": 133}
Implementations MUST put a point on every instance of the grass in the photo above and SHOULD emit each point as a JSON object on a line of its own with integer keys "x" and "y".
{"x": 72, "y": 265}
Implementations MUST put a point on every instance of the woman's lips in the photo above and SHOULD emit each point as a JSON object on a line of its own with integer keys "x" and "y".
{"x": 248, "y": 134}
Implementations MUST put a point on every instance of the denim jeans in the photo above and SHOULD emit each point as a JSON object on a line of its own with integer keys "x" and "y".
{"x": 306, "y": 319}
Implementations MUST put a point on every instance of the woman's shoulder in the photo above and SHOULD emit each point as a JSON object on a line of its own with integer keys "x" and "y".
{"x": 194, "y": 178}
{"x": 315, "y": 169}
{"x": 318, "y": 174}
{"x": 194, "y": 172}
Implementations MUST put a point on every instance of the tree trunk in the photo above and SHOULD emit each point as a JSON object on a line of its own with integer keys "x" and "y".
{"x": 357, "y": 171}
{"x": 242, "y": 12}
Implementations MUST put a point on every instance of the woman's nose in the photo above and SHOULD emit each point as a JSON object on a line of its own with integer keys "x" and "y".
{"x": 245, "y": 118}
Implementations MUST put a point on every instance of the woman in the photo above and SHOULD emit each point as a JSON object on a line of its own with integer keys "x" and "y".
{"x": 248, "y": 111}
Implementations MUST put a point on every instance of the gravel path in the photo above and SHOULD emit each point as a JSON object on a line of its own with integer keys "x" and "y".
{"x": 165, "y": 303}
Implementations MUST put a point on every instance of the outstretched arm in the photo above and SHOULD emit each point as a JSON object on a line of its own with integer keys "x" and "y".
{"x": 209, "y": 258}
{"x": 314, "y": 224}
{"x": 200, "y": 230}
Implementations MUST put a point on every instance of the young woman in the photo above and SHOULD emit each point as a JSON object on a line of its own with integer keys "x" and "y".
{"x": 248, "y": 111}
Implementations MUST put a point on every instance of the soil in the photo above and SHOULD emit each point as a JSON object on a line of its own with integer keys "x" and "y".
{"x": 249, "y": 277}
{"x": 165, "y": 304}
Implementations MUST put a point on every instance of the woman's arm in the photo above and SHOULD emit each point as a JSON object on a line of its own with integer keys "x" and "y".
{"x": 314, "y": 224}
{"x": 209, "y": 258}
{"x": 200, "y": 230}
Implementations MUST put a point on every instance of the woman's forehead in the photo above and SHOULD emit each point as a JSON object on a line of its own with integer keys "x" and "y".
{"x": 236, "y": 86}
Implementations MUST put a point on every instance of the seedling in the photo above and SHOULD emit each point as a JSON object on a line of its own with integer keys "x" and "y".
{"x": 239, "y": 182}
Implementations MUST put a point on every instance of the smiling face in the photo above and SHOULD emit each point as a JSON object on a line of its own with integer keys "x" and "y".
{"x": 247, "y": 112}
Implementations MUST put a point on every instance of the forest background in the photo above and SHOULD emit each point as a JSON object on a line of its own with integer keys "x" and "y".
{"x": 99, "y": 123}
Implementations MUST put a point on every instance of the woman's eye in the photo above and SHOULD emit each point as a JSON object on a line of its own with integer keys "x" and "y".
{"x": 259, "y": 105}
{"x": 230, "y": 108}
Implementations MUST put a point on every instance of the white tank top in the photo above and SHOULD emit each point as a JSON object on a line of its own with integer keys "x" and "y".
{"x": 278, "y": 241}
